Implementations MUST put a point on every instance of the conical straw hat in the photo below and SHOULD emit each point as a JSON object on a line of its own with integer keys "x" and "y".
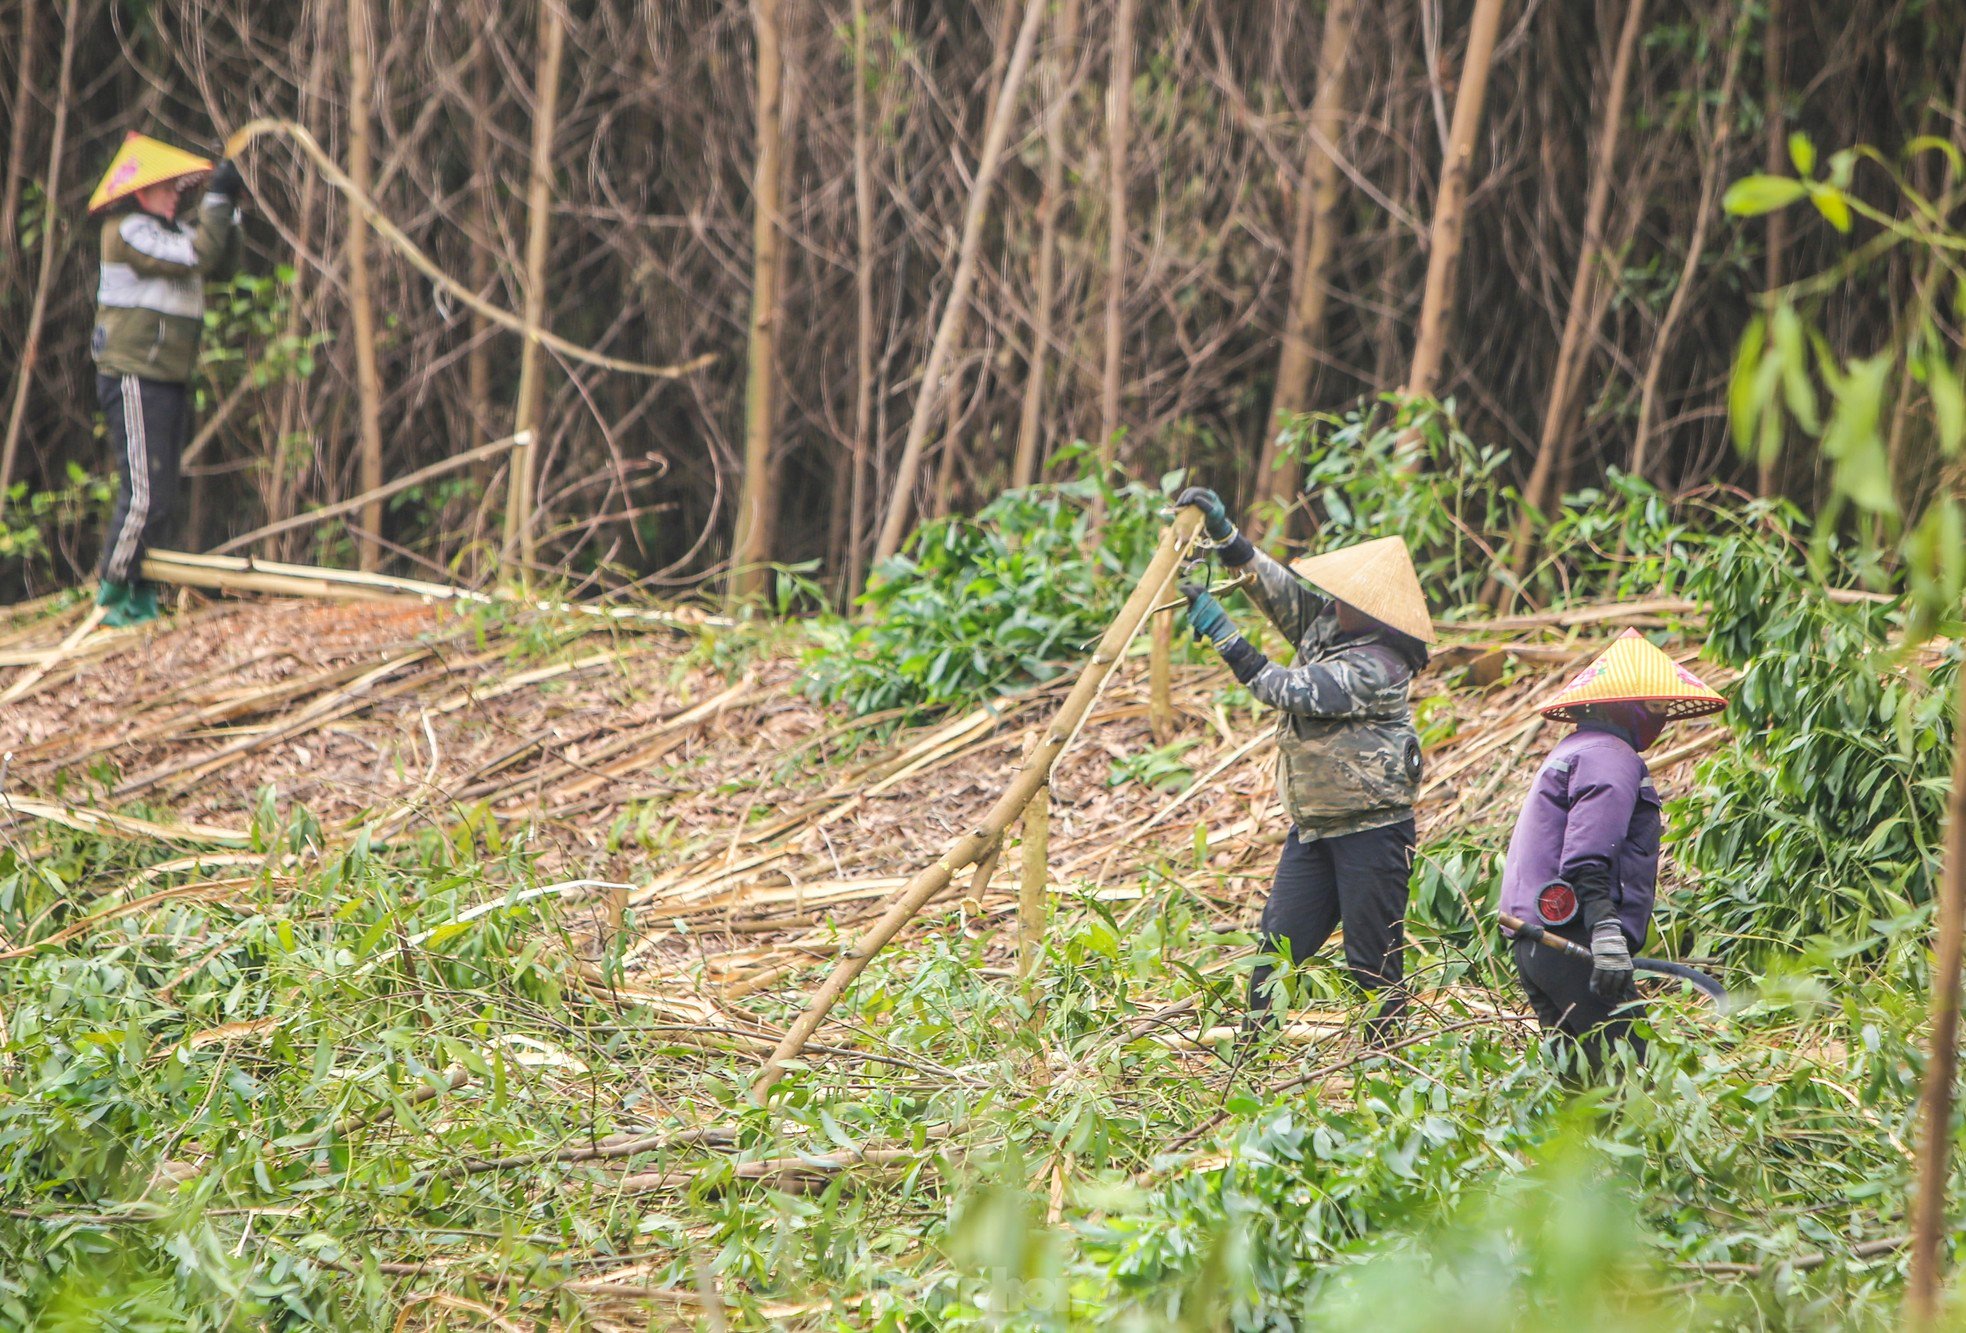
{"x": 143, "y": 161}
{"x": 1631, "y": 670}
{"x": 1376, "y": 577}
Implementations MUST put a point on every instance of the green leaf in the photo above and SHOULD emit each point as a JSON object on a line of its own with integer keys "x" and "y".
{"x": 1743, "y": 406}
{"x": 1803, "y": 153}
{"x": 1928, "y": 143}
{"x": 1833, "y": 204}
{"x": 1852, "y": 439}
{"x": 1751, "y": 196}
{"x": 1948, "y": 389}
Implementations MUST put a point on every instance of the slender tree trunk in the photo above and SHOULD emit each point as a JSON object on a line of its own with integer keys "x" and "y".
{"x": 1315, "y": 243}
{"x": 1119, "y": 127}
{"x": 477, "y": 361}
{"x": 1941, "y": 1063}
{"x": 1581, "y": 312}
{"x": 1768, "y": 479}
{"x": 927, "y": 401}
{"x": 1064, "y": 56}
{"x": 1444, "y": 249}
{"x": 1710, "y": 174}
{"x": 863, "y": 299}
{"x": 50, "y": 246}
{"x": 757, "y": 504}
{"x": 521, "y": 525}
{"x": 367, "y": 383}
{"x": 281, "y": 486}
{"x": 16, "y": 165}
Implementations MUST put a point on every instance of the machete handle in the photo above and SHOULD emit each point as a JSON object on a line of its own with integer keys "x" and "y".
{"x": 1533, "y": 932}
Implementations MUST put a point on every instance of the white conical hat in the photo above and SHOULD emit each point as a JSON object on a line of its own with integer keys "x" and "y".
{"x": 1376, "y": 577}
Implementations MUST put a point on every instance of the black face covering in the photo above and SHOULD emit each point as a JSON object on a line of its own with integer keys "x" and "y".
{"x": 1639, "y": 723}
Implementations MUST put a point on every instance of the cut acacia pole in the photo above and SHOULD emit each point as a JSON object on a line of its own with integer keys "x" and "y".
{"x": 521, "y": 532}
{"x": 1031, "y": 904}
{"x": 377, "y": 496}
{"x": 1064, "y": 47}
{"x": 929, "y": 400}
{"x": 368, "y": 384}
{"x": 1160, "y": 678}
{"x": 1582, "y": 311}
{"x": 1775, "y": 163}
{"x": 17, "y": 141}
{"x": 50, "y": 243}
{"x": 1929, "y": 1231}
{"x": 751, "y": 547}
{"x": 863, "y": 302}
{"x": 1035, "y": 774}
{"x": 1444, "y": 249}
{"x": 57, "y": 657}
{"x": 1119, "y": 128}
{"x": 1315, "y": 244}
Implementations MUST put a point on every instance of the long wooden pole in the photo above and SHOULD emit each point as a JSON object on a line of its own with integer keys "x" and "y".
{"x": 521, "y": 531}
{"x": 1031, "y": 902}
{"x": 1315, "y": 244}
{"x": 751, "y": 546}
{"x": 1941, "y": 1063}
{"x": 368, "y": 385}
{"x": 1030, "y": 433}
{"x": 16, "y": 164}
{"x": 50, "y": 243}
{"x": 929, "y": 400}
{"x": 863, "y": 303}
{"x": 1034, "y": 776}
{"x": 1444, "y": 250}
{"x": 1768, "y": 471}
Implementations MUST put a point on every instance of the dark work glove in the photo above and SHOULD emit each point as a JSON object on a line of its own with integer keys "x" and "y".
{"x": 226, "y": 180}
{"x": 1206, "y": 618}
{"x": 1611, "y": 963}
{"x": 1215, "y": 519}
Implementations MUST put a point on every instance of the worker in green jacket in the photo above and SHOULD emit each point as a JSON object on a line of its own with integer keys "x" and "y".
{"x": 150, "y": 314}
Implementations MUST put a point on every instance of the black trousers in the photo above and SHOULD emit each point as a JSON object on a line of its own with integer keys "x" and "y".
{"x": 1559, "y": 988}
{"x": 1359, "y": 879}
{"x": 149, "y": 425}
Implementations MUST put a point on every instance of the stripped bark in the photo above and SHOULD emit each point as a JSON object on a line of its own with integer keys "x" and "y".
{"x": 521, "y": 527}
{"x": 863, "y": 303}
{"x": 928, "y": 401}
{"x": 1315, "y": 243}
{"x": 756, "y": 503}
{"x": 50, "y": 243}
{"x": 1444, "y": 248}
{"x": 1031, "y": 778}
{"x": 1061, "y": 63}
{"x": 362, "y": 306}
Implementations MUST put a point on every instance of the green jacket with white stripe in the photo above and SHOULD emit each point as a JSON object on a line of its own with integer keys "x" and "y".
{"x": 150, "y": 305}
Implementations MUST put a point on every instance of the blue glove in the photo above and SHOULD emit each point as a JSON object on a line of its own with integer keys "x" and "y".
{"x": 1206, "y": 618}
{"x": 1215, "y": 519}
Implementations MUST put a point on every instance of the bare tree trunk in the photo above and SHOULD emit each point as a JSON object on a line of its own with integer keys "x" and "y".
{"x": 1315, "y": 243}
{"x": 751, "y": 547}
{"x": 1775, "y": 162}
{"x": 16, "y": 166}
{"x": 1710, "y": 173}
{"x": 863, "y": 297}
{"x": 1581, "y": 312}
{"x": 1444, "y": 249}
{"x": 367, "y": 383}
{"x": 281, "y": 489}
{"x": 477, "y": 362}
{"x": 521, "y": 527}
{"x": 1119, "y": 126}
{"x": 894, "y": 527}
{"x": 50, "y": 245}
{"x": 1941, "y": 1063}
{"x": 1064, "y": 55}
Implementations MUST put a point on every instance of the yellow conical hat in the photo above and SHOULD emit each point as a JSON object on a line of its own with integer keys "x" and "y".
{"x": 1376, "y": 577}
{"x": 1631, "y": 670}
{"x": 143, "y": 161}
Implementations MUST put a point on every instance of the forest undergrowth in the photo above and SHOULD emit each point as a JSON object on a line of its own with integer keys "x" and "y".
{"x": 414, "y": 1081}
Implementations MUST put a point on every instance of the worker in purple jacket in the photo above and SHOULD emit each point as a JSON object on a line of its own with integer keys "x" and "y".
{"x": 1584, "y": 858}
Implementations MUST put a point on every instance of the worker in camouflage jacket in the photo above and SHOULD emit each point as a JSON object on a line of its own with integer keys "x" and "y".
{"x": 1348, "y": 759}
{"x": 150, "y": 315}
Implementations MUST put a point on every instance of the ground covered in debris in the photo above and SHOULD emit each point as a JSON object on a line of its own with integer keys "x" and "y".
{"x": 395, "y": 962}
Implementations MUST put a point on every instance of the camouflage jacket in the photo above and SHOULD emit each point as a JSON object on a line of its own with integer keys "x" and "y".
{"x": 1348, "y": 758}
{"x": 150, "y": 304}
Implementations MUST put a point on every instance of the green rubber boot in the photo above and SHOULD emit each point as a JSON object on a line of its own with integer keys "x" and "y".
{"x": 113, "y": 597}
{"x": 142, "y": 606}
{"x": 126, "y": 603}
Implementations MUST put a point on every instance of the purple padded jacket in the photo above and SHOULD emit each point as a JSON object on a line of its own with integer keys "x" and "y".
{"x": 1592, "y": 799}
